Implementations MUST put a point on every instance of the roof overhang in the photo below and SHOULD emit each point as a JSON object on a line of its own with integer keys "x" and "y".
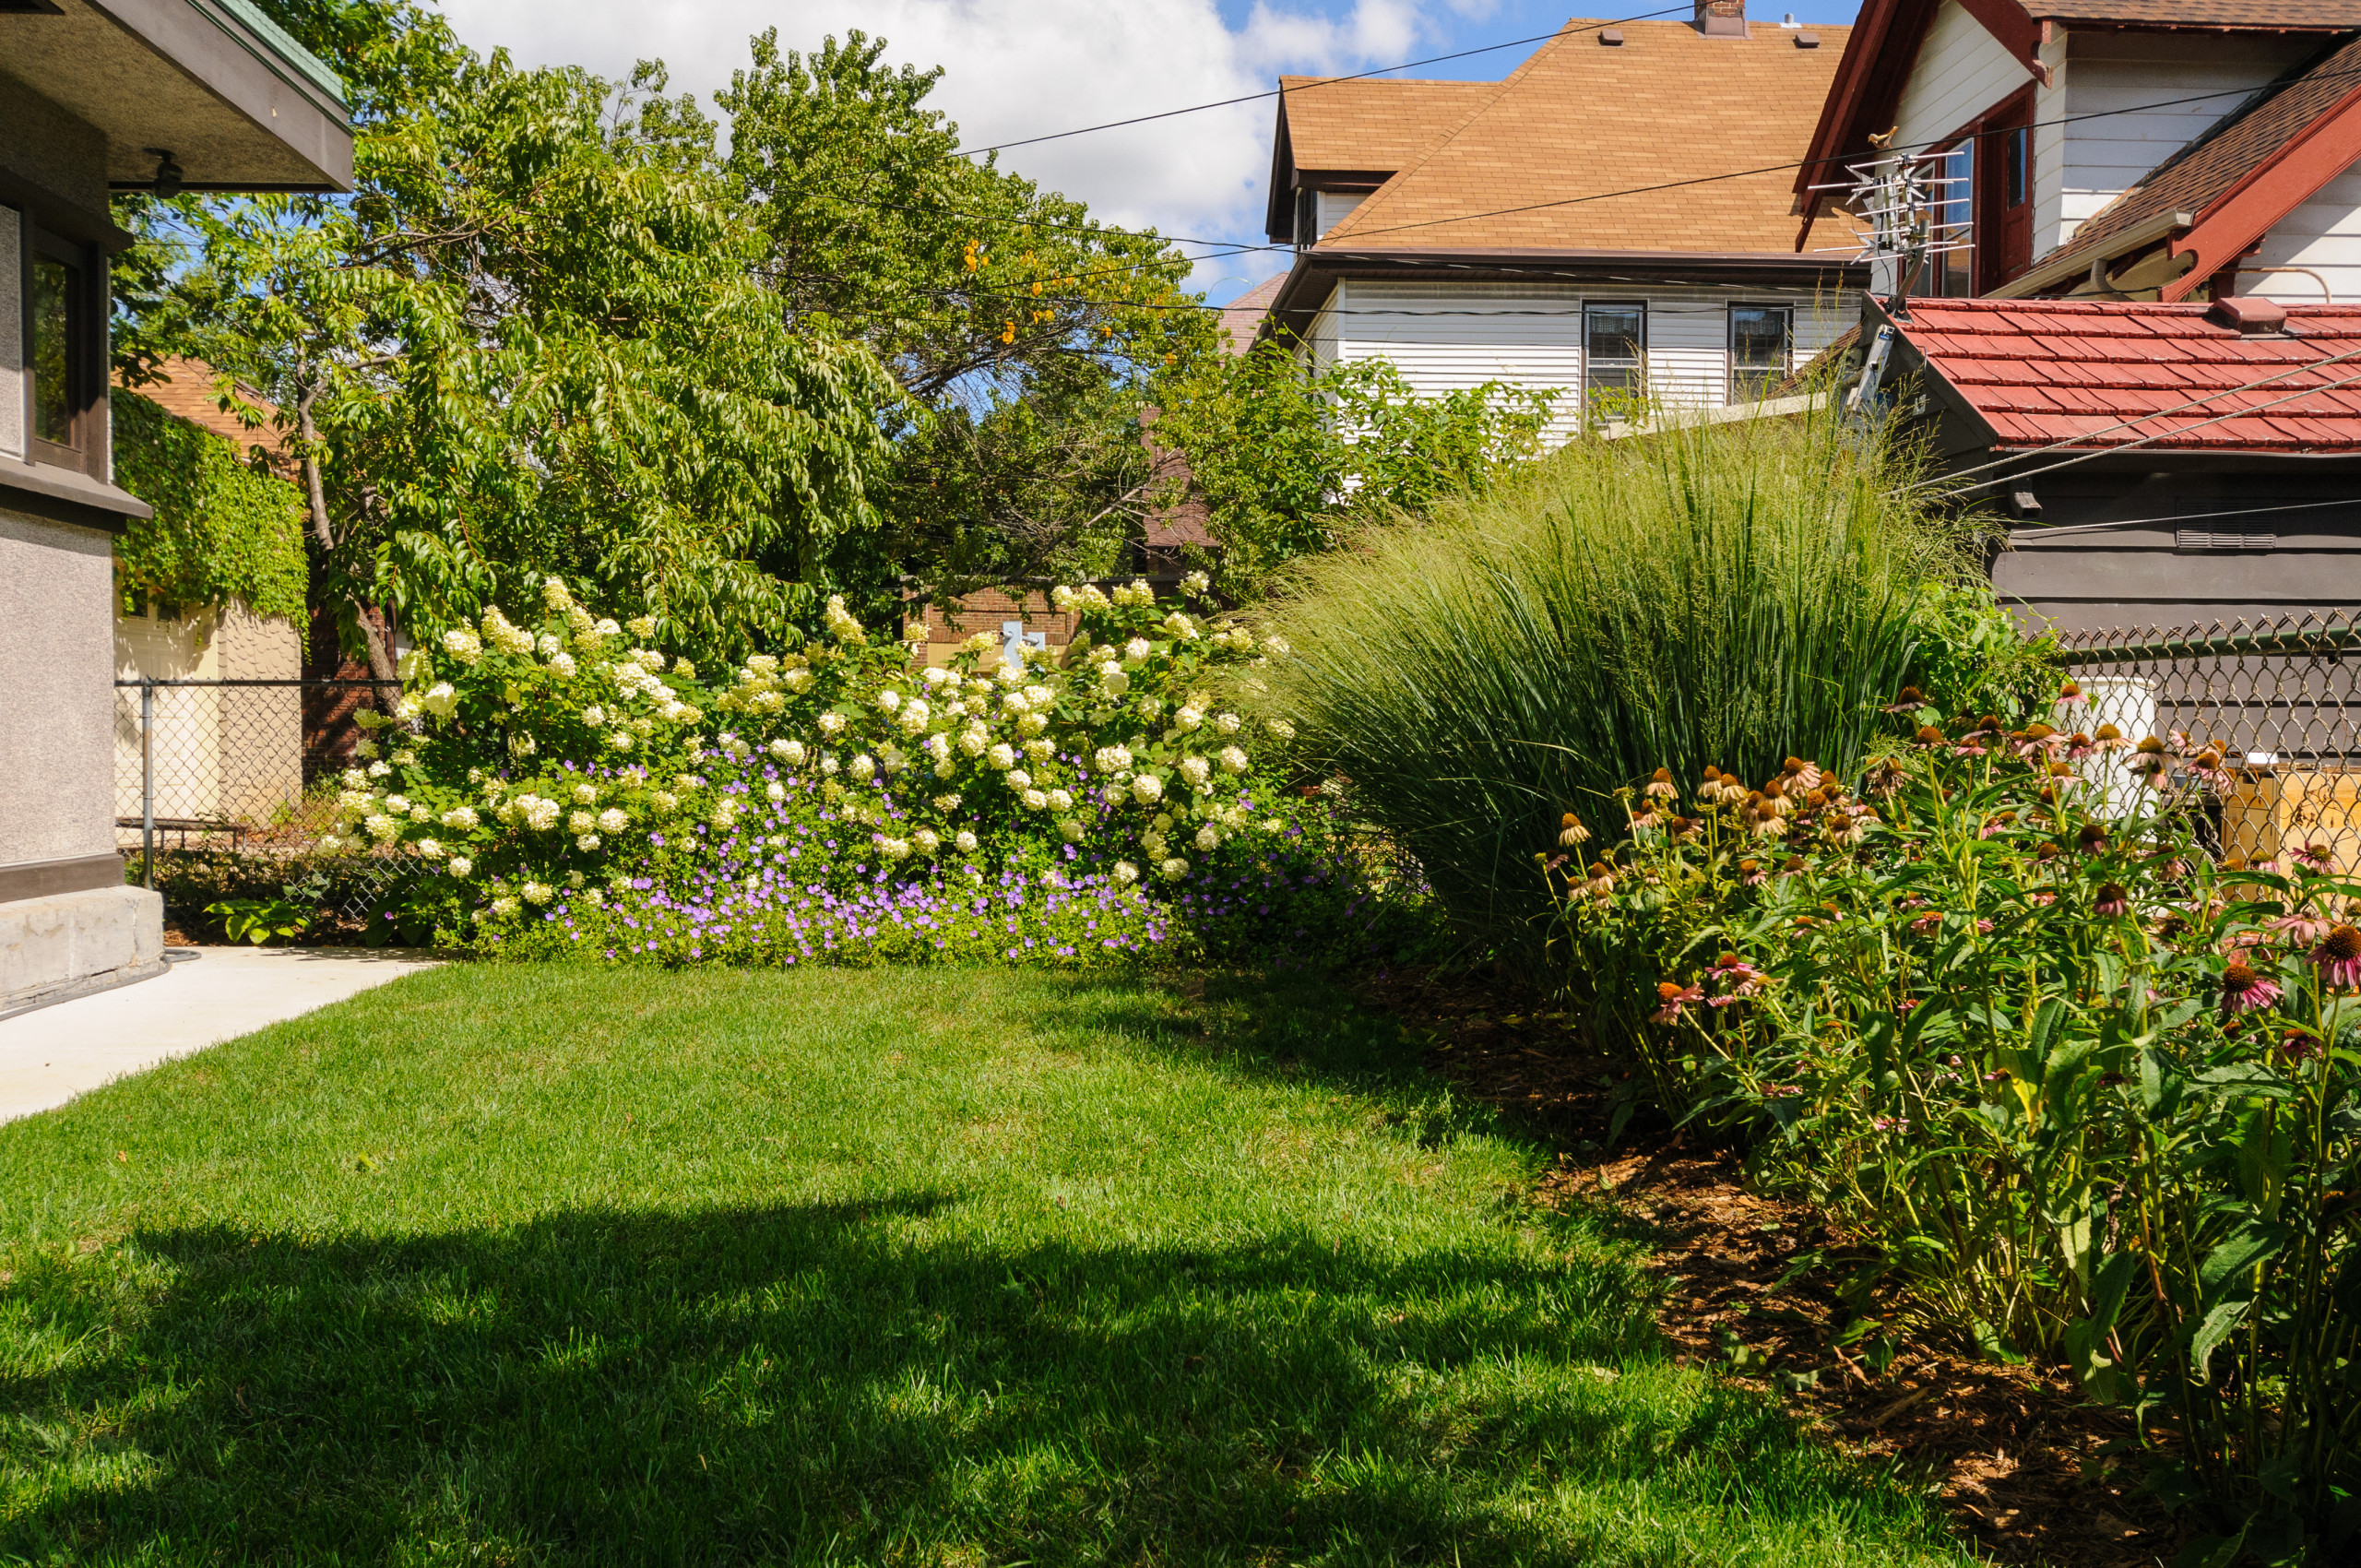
{"x": 240, "y": 106}
{"x": 2069, "y": 263}
{"x": 1318, "y": 270}
{"x": 2229, "y": 227}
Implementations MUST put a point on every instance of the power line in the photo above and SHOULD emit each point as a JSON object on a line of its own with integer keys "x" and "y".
{"x": 2042, "y": 531}
{"x": 1325, "y": 81}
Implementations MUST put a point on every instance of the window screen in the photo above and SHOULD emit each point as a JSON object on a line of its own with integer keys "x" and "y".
{"x": 1615, "y": 340}
{"x": 1952, "y": 273}
{"x": 55, "y": 288}
{"x": 1760, "y": 338}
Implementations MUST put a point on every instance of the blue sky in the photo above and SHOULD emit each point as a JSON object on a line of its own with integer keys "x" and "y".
{"x": 1018, "y": 68}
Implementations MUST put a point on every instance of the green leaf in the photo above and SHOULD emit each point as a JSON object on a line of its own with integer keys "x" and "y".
{"x": 2217, "y": 1327}
{"x": 2229, "y": 1261}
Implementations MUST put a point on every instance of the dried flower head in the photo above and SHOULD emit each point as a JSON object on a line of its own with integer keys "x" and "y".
{"x": 2112, "y": 900}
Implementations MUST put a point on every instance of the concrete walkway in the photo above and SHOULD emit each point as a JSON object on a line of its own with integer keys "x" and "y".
{"x": 48, "y": 1057}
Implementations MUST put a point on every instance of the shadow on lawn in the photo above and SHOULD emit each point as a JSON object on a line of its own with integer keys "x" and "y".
{"x": 799, "y": 1382}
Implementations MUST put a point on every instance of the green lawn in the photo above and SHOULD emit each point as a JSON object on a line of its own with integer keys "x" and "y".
{"x": 509, "y": 1264}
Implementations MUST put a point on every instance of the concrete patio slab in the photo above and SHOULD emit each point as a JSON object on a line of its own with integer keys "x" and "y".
{"x": 48, "y": 1057}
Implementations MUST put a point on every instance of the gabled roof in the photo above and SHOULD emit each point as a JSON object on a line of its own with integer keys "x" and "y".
{"x": 2101, "y": 374}
{"x": 2250, "y": 170}
{"x": 1886, "y": 34}
{"x": 1629, "y": 148}
{"x": 1371, "y": 122}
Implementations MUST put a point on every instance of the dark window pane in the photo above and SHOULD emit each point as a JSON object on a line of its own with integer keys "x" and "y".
{"x": 2014, "y": 144}
{"x": 56, "y": 286}
{"x": 1615, "y": 333}
{"x": 1758, "y": 344}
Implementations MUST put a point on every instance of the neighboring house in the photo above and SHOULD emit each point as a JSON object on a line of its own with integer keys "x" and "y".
{"x": 2189, "y": 496}
{"x": 2117, "y": 148}
{"x": 100, "y": 95}
{"x": 1613, "y": 218}
{"x": 220, "y": 754}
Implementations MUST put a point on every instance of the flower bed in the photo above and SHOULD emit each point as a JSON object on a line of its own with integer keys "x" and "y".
{"x": 567, "y": 787}
{"x": 2088, "y": 1095}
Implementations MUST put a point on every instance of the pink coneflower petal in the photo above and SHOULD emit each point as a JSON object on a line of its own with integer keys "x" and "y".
{"x": 2339, "y": 959}
{"x": 2244, "y": 989}
{"x": 2112, "y": 900}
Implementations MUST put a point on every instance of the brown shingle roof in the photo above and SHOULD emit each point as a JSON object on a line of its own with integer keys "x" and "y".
{"x": 2200, "y": 174}
{"x": 2295, "y": 15}
{"x": 1630, "y": 147}
{"x": 184, "y": 389}
{"x": 1372, "y": 122}
{"x": 1243, "y": 317}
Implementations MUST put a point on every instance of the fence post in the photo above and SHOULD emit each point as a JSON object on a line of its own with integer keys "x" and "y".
{"x": 148, "y": 781}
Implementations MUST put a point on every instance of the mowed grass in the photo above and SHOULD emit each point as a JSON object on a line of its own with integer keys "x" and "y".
{"x": 511, "y": 1264}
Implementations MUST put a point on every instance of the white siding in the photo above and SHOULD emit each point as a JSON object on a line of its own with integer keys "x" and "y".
{"x": 2113, "y": 77}
{"x": 2324, "y": 234}
{"x": 1444, "y": 338}
{"x": 1335, "y": 206}
{"x": 2051, "y": 154}
{"x": 1960, "y": 71}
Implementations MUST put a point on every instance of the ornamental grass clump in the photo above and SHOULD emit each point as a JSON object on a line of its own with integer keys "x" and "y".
{"x": 1732, "y": 594}
{"x": 567, "y": 786}
{"x": 2079, "y": 1092}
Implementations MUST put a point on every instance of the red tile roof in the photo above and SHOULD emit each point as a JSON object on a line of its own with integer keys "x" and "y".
{"x": 2105, "y": 373}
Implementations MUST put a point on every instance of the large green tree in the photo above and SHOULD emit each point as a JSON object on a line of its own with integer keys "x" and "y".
{"x": 1025, "y": 333}
{"x": 533, "y": 340}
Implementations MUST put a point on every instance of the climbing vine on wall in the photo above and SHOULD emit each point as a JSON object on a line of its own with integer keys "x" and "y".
{"x": 222, "y": 529}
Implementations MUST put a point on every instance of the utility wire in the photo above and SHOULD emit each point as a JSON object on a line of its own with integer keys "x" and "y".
{"x": 1325, "y": 81}
{"x": 2038, "y": 530}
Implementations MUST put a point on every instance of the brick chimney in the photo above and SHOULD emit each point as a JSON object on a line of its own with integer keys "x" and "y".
{"x": 1721, "y": 19}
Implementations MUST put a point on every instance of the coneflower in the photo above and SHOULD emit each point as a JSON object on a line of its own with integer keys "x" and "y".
{"x": 1660, "y": 786}
{"x": 1909, "y": 701}
{"x": 1751, "y": 873}
{"x": 1929, "y": 736}
{"x": 2070, "y": 692}
{"x": 2320, "y": 857}
{"x": 2112, "y": 900}
{"x": 2339, "y": 958}
{"x": 2092, "y": 839}
{"x": 1670, "y": 998}
{"x": 1570, "y": 830}
{"x": 2244, "y": 989}
{"x": 2107, "y": 738}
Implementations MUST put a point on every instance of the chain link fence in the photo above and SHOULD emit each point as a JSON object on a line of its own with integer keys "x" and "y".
{"x": 245, "y": 768}
{"x": 2275, "y": 699}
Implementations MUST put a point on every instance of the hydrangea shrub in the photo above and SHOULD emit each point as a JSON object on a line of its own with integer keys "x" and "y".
{"x": 568, "y": 784}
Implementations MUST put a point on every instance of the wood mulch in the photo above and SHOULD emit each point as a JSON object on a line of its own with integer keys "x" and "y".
{"x": 2025, "y": 1466}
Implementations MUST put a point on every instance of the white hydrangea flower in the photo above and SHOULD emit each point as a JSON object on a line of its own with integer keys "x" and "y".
{"x": 1019, "y": 779}
{"x": 938, "y": 746}
{"x": 915, "y": 716}
{"x": 1035, "y": 800}
{"x": 797, "y": 680}
{"x": 1062, "y": 597}
{"x": 537, "y": 892}
{"x": 563, "y": 666}
{"x": 378, "y": 770}
{"x": 1181, "y": 626}
{"x": 1040, "y": 749}
{"x": 460, "y": 817}
{"x": 775, "y": 793}
{"x": 832, "y": 724}
{"x": 504, "y": 906}
{"x": 927, "y": 840}
{"x": 460, "y": 865}
{"x": 553, "y": 594}
{"x": 893, "y": 849}
{"x": 612, "y": 820}
{"x": 725, "y": 811}
{"x": 1114, "y": 681}
{"x": 623, "y": 740}
{"x": 329, "y": 843}
{"x": 398, "y": 805}
{"x": 409, "y": 664}
{"x": 1147, "y": 788}
{"x": 1227, "y": 723}
{"x": 462, "y": 645}
{"x": 1136, "y": 650}
{"x": 1111, "y": 759}
{"x": 964, "y": 841}
{"x": 546, "y": 644}
{"x": 1174, "y": 869}
{"x": 1070, "y": 831}
{"x": 504, "y": 636}
{"x": 1126, "y": 873}
{"x": 1014, "y": 701}
{"x": 889, "y": 699}
{"x": 1208, "y": 838}
{"x": 440, "y": 699}
{"x": 1196, "y": 770}
{"x": 354, "y": 778}
{"x": 1187, "y": 717}
{"x": 587, "y": 841}
{"x": 1032, "y": 724}
{"x": 863, "y": 767}
{"x": 1281, "y": 727}
{"x": 1233, "y": 760}
{"x": 973, "y": 742}
{"x": 665, "y": 802}
{"x": 641, "y": 625}
{"x": 431, "y": 848}
{"x": 828, "y": 766}
{"x": 1002, "y": 756}
{"x": 1196, "y": 582}
{"x": 541, "y": 812}
{"x": 585, "y": 794}
{"x": 580, "y": 822}
{"x": 381, "y": 827}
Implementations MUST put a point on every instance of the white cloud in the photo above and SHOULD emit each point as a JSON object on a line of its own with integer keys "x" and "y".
{"x": 1019, "y": 69}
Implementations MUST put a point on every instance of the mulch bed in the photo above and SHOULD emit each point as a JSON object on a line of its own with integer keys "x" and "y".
{"x": 2027, "y": 1468}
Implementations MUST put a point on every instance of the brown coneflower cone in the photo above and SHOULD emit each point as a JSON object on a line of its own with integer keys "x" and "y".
{"x": 2341, "y": 945}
